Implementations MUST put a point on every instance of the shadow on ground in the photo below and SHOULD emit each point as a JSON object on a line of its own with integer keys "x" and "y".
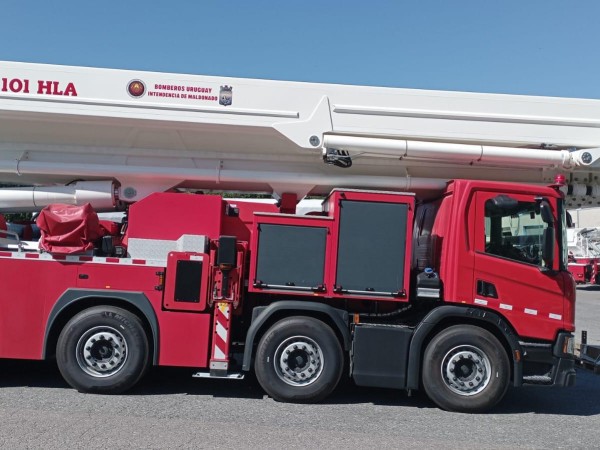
{"x": 588, "y": 287}
{"x": 581, "y": 400}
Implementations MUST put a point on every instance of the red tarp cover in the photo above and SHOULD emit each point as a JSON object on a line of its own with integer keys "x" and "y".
{"x": 68, "y": 229}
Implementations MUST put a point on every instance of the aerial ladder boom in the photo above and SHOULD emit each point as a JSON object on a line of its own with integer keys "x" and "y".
{"x": 146, "y": 131}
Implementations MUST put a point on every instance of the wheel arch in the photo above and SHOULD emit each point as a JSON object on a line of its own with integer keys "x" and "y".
{"x": 265, "y": 316}
{"x": 73, "y": 301}
{"x": 446, "y": 316}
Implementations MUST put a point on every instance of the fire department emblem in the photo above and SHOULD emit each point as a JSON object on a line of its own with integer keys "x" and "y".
{"x": 136, "y": 88}
{"x": 226, "y": 95}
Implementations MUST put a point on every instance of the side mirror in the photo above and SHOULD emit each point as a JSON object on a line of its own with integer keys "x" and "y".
{"x": 546, "y": 212}
{"x": 549, "y": 239}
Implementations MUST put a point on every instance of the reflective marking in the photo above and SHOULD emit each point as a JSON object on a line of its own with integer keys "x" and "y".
{"x": 505, "y": 306}
{"x": 219, "y": 354}
{"x": 83, "y": 259}
{"x": 222, "y": 332}
{"x": 481, "y": 301}
{"x": 533, "y": 312}
{"x": 224, "y": 308}
{"x": 555, "y": 316}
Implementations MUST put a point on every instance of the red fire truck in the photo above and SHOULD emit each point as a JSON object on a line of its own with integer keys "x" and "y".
{"x": 401, "y": 278}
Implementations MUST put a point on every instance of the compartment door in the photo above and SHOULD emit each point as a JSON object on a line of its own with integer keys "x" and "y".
{"x": 371, "y": 257}
{"x": 186, "y": 284}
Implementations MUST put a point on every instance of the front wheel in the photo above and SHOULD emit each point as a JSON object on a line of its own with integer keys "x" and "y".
{"x": 103, "y": 350}
{"x": 465, "y": 369}
{"x": 299, "y": 359}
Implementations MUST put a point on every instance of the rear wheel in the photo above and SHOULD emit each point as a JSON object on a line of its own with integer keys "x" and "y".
{"x": 299, "y": 359}
{"x": 103, "y": 350}
{"x": 465, "y": 369}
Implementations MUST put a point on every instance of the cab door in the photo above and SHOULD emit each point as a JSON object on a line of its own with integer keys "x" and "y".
{"x": 511, "y": 273}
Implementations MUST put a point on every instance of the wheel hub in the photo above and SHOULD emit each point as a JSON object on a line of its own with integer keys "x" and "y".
{"x": 298, "y": 361}
{"x": 101, "y": 351}
{"x": 466, "y": 370}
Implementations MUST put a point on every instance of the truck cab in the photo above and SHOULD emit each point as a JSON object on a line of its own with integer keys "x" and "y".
{"x": 502, "y": 247}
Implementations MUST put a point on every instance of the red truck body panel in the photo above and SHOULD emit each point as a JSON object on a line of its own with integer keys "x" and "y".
{"x": 26, "y": 306}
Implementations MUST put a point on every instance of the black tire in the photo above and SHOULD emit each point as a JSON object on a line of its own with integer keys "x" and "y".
{"x": 465, "y": 369}
{"x": 311, "y": 352}
{"x": 103, "y": 350}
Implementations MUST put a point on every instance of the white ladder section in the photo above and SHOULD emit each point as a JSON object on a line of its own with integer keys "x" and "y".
{"x": 153, "y": 131}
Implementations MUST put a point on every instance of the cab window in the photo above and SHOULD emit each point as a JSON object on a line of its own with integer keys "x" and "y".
{"x": 516, "y": 234}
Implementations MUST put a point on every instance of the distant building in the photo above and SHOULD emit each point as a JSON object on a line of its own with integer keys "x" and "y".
{"x": 586, "y": 218}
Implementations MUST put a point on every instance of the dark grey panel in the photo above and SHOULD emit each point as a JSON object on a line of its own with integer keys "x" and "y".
{"x": 227, "y": 252}
{"x": 380, "y": 355}
{"x": 291, "y": 256}
{"x": 188, "y": 280}
{"x": 372, "y": 246}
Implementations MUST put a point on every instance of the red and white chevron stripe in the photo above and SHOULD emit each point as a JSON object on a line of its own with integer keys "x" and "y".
{"x": 221, "y": 332}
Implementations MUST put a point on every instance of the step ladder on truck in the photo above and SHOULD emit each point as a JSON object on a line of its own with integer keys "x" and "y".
{"x": 436, "y": 258}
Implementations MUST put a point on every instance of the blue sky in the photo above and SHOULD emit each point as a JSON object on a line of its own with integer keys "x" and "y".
{"x": 534, "y": 47}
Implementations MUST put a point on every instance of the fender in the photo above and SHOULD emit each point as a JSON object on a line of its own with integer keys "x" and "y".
{"x": 432, "y": 319}
{"x": 137, "y": 299}
{"x": 261, "y": 314}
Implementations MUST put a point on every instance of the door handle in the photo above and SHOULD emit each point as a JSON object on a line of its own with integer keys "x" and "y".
{"x": 486, "y": 289}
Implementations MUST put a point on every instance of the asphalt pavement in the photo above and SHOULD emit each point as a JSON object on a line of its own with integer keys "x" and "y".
{"x": 169, "y": 409}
